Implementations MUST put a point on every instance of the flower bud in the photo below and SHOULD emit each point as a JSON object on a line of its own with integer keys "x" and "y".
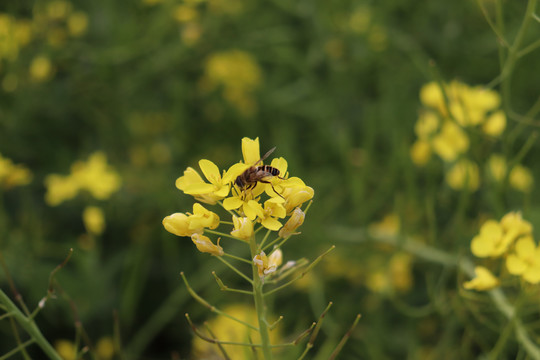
{"x": 296, "y": 219}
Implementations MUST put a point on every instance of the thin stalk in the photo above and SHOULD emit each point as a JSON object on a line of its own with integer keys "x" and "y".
{"x": 260, "y": 306}
{"x": 29, "y": 326}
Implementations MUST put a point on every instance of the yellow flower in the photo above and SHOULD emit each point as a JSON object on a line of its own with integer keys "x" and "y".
{"x": 432, "y": 96}
{"x": 464, "y": 174}
{"x": 13, "y": 174}
{"x": 66, "y": 349}
{"x": 420, "y": 152}
{"x": 183, "y": 225}
{"x": 59, "y": 189}
{"x": 77, "y": 23}
{"x": 495, "y": 124}
{"x": 58, "y": 9}
{"x": 388, "y": 226}
{"x": 525, "y": 261}
{"x": 94, "y": 220}
{"x": 243, "y": 228}
{"x": 96, "y": 176}
{"x": 495, "y": 237}
{"x": 360, "y": 19}
{"x": 267, "y": 265}
{"x": 185, "y": 13}
{"x": 202, "y": 218}
{"x": 483, "y": 281}
{"x": 426, "y": 125}
{"x": 294, "y": 222}
{"x": 226, "y": 329}
{"x": 295, "y": 193}
{"x": 400, "y": 270}
{"x": 273, "y": 209}
{"x": 105, "y": 348}
{"x": 521, "y": 178}
{"x": 204, "y": 244}
{"x": 497, "y": 167}
{"x": 218, "y": 188}
{"x": 450, "y": 142}
{"x": 178, "y": 224}
{"x": 41, "y": 69}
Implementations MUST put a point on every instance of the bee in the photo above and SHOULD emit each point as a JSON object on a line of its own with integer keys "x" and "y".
{"x": 257, "y": 174}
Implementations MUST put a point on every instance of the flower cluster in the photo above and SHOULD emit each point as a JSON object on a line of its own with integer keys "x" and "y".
{"x": 510, "y": 238}
{"x": 450, "y": 111}
{"x": 13, "y": 174}
{"x": 253, "y": 197}
{"x": 52, "y": 24}
{"x": 94, "y": 176}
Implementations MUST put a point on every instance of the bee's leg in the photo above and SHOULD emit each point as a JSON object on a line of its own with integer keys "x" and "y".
{"x": 268, "y": 182}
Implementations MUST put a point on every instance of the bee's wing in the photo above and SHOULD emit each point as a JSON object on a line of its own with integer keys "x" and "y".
{"x": 266, "y": 155}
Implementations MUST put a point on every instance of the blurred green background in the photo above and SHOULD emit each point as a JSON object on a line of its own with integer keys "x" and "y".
{"x": 157, "y": 85}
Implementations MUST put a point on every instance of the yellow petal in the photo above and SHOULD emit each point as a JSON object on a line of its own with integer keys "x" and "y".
{"x": 271, "y": 224}
{"x": 199, "y": 189}
{"x": 222, "y": 192}
{"x": 232, "y": 203}
{"x": 252, "y": 209}
{"x": 191, "y": 176}
{"x": 532, "y": 275}
{"x": 281, "y": 165}
{"x": 234, "y": 171}
{"x": 210, "y": 171}
{"x": 484, "y": 280}
{"x": 250, "y": 151}
{"x": 515, "y": 265}
{"x": 525, "y": 247}
{"x": 481, "y": 246}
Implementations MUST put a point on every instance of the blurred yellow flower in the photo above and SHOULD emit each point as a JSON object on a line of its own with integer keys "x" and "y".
{"x": 497, "y": 167}
{"x": 495, "y": 124}
{"x": 389, "y": 226}
{"x": 226, "y": 329}
{"x": 426, "y": 125}
{"x": 400, "y": 269}
{"x": 185, "y": 13}
{"x": 12, "y": 175}
{"x": 420, "y": 152}
{"x": 191, "y": 33}
{"x": 105, "y": 348}
{"x": 94, "y": 220}
{"x": 66, "y": 349}
{"x": 58, "y": 9}
{"x": 360, "y": 19}
{"x": 495, "y": 238}
{"x": 94, "y": 176}
{"x": 9, "y": 46}
{"x": 77, "y": 23}
{"x": 463, "y": 174}
{"x": 450, "y": 142}
{"x": 525, "y": 261}
{"x": 483, "y": 281}
{"x": 41, "y": 68}
{"x": 238, "y": 74}
{"x": 521, "y": 178}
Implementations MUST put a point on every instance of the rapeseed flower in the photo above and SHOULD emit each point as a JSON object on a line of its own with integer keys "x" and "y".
{"x": 495, "y": 238}
{"x": 94, "y": 220}
{"x": 265, "y": 196}
{"x": 484, "y": 280}
{"x": 95, "y": 176}
{"x": 12, "y": 175}
{"x": 521, "y": 178}
{"x": 525, "y": 261}
{"x": 464, "y": 174}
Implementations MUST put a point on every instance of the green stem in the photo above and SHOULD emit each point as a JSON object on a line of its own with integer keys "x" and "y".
{"x": 260, "y": 306}
{"x": 29, "y": 326}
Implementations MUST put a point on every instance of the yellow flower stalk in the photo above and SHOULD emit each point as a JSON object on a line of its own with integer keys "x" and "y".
{"x": 258, "y": 194}
{"x": 483, "y": 281}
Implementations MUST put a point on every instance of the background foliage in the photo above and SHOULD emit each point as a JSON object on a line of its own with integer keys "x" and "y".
{"x": 158, "y": 85}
